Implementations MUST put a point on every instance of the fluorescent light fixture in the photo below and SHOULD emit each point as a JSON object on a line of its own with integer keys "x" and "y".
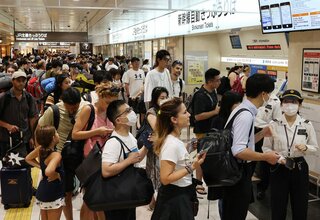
{"x": 256, "y": 61}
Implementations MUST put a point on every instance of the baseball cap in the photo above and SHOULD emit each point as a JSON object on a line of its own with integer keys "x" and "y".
{"x": 18, "y": 74}
{"x": 238, "y": 64}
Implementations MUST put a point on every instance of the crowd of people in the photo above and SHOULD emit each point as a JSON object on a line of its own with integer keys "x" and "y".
{"x": 116, "y": 94}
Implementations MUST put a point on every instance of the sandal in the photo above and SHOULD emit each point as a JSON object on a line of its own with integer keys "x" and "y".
{"x": 201, "y": 190}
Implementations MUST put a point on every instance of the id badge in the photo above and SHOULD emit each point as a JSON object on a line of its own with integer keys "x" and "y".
{"x": 290, "y": 164}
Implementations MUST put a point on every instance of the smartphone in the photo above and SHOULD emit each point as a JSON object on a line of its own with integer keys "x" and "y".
{"x": 275, "y": 16}
{"x": 286, "y": 16}
{"x": 266, "y": 17}
{"x": 289, "y": 163}
{"x": 205, "y": 149}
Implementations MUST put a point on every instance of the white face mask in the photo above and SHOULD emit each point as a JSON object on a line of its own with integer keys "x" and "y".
{"x": 132, "y": 118}
{"x": 290, "y": 109}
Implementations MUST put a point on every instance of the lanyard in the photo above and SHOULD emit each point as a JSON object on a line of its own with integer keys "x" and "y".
{"x": 294, "y": 135}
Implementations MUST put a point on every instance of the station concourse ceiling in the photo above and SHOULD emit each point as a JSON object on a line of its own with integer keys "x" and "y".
{"x": 98, "y": 17}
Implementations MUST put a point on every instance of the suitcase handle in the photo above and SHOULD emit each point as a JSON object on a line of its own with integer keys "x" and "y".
{"x": 11, "y": 142}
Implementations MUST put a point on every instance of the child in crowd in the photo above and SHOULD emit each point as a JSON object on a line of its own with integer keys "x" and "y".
{"x": 50, "y": 193}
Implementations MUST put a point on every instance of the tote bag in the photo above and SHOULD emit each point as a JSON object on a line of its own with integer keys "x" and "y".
{"x": 129, "y": 189}
{"x": 90, "y": 165}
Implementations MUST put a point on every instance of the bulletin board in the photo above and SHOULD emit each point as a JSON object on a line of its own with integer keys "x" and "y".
{"x": 310, "y": 70}
{"x": 196, "y": 63}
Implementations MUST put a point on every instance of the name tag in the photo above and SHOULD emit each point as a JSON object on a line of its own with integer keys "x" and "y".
{"x": 302, "y": 132}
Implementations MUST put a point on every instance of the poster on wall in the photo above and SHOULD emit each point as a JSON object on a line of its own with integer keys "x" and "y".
{"x": 310, "y": 70}
{"x": 196, "y": 64}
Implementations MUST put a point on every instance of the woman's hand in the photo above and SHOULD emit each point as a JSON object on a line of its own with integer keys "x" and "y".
{"x": 198, "y": 160}
{"x": 104, "y": 131}
{"x": 54, "y": 176}
{"x": 301, "y": 147}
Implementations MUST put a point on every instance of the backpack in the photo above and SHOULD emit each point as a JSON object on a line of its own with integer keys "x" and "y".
{"x": 190, "y": 107}
{"x": 72, "y": 152}
{"x": 237, "y": 86}
{"x": 34, "y": 87}
{"x": 181, "y": 87}
{"x": 87, "y": 97}
{"x": 189, "y": 104}
{"x": 83, "y": 84}
{"x": 224, "y": 86}
{"x": 5, "y": 82}
{"x": 220, "y": 167}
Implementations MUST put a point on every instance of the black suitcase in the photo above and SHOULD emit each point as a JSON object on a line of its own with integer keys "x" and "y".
{"x": 16, "y": 187}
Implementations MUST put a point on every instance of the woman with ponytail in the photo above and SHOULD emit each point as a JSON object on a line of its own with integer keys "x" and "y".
{"x": 177, "y": 195}
{"x": 50, "y": 193}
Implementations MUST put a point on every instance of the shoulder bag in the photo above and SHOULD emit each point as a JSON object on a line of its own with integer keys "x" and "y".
{"x": 129, "y": 189}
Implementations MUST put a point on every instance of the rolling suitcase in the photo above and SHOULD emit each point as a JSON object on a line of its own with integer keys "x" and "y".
{"x": 16, "y": 181}
{"x": 16, "y": 187}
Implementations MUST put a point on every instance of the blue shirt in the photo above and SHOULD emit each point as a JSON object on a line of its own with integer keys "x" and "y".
{"x": 241, "y": 127}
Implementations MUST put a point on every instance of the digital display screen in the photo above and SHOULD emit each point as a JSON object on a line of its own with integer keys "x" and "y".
{"x": 291, "y": 15}
{"x": 235, "y": 42}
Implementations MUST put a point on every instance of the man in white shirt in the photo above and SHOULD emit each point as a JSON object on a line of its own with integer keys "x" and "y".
{"x": 159, "y": 76}
{"x": 110, "y": 64}
{"x": 134, "y": 80}
{"x": 114, "y": 160}
{"x": 177, "y": 82}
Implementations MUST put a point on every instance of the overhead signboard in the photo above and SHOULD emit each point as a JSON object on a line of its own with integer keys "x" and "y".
{"x": 210, "y": 16}
{"x": 57, "y": 44}
{"x": 86, "y": 48}
{"x": 264, "y": 47}
{"x": 34, "y": 36}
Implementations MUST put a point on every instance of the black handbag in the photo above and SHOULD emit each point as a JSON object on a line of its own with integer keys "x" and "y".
{"x": 72, "y": 152}
{"x": 129, "y": 189}
{"x": 143, "y": 135}
{"x": 220, "y": 167}
{"x": 90, "y": 165}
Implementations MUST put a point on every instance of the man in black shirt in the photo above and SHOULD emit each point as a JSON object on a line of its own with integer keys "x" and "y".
{"x": 205, "y": 108}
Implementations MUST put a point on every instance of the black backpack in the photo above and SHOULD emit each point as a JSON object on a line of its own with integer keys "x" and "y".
{"x": 189, "y": 104}
{"x": 224, "y": 86}
{"x": 220, "y": 167}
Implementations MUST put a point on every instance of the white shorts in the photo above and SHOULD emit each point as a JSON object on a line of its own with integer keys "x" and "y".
{"x": 51, "y": 205}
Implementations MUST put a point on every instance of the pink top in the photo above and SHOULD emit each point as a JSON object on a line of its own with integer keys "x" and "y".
{"x": 98, "y": 122}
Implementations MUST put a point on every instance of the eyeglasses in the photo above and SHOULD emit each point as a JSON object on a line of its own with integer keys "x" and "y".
{"x": 128, "y": 110}
{"x": 167, "y": 58}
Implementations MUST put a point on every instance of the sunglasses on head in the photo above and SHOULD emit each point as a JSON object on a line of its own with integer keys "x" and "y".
{"x": 176, "y": 62}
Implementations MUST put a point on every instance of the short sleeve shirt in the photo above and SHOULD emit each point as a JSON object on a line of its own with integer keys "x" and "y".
{"x": 155, "y": 79}
{"x": 135, "y": 79}
{"x": 65, "y": 125}
{"x": 112, "y": 152}
{"x": 202, "y": 103}
{"x": 175, "y": 151}
{"x": 17, "y": 112}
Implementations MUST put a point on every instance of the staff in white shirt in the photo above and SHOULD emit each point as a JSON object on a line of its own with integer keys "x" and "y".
{"x": 292, "y": 137}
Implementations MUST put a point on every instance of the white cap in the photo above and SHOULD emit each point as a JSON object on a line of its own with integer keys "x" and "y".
{"x": 18, "y": 74}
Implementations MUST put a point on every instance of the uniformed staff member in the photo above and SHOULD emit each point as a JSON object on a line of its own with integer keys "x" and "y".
{"x": 265, "y": 115}
{"x": 292, "y": 137}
